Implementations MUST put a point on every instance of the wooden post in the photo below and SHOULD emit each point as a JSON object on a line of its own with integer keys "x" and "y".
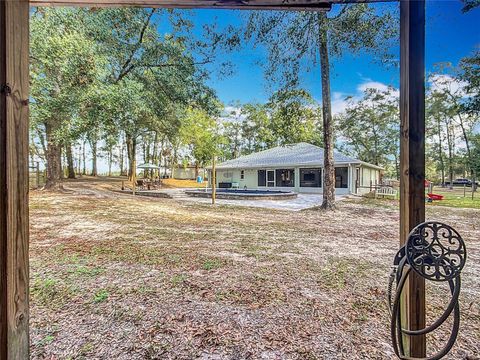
{"x": 214, "y": 181}
{"x": 412, "y": 156}
{"x": 14, "y": 179}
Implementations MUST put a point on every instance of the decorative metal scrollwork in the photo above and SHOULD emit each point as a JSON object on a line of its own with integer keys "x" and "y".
{"x": 436, "y": 252}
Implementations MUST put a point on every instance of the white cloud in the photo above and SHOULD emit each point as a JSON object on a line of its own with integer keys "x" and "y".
{"x": 232, "y": 114}
{"x": 339, "y": 102}
{"x": 371, "y": 85}
{"x": 441, "y": 82}
{"x": 476, "y": 129}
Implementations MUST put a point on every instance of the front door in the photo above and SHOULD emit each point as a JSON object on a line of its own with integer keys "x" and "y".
{"x": 270, "y": 178}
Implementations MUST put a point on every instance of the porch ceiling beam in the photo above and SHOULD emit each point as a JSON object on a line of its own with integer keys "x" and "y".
{"x": 313, "y": 5}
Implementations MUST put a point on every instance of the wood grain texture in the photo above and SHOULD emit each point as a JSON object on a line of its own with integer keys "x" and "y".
{"x": 412, "y": 157}
{"x": 14, "y": 273}
{"x": 215, "y": 4}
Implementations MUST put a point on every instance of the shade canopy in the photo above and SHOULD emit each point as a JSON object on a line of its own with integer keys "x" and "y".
{"x": 148, "y": 166}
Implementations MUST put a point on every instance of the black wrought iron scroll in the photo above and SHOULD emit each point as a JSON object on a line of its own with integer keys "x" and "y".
{"x": 436, "y": 252}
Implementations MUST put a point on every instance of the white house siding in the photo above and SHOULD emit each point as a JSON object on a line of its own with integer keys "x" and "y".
{"x": 250, "y": 180}
{"x": 289, "y": 157}
{"x": 368, "y": 177}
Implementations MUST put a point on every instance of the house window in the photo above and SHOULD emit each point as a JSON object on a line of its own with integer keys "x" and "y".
{"x": 271, "y": 178}
{"x": 262, "y": 178}
{"x": 242, "y": 175}
{"x": 285, "y": 177}
{"x": 341, "y": 177}
{"x": 310, "y": 178}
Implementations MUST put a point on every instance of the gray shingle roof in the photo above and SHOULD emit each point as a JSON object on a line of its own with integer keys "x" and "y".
{"x": 301, "y": 154}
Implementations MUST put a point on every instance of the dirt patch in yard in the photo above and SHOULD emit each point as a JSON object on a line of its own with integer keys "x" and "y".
{"x": 117, "y": 277}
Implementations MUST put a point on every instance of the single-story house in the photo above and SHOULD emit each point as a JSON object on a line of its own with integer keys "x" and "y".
{"x": 297, "y": 167}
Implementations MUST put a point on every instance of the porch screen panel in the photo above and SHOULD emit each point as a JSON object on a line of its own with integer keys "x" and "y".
{"x": 285, "y": 177}
{"x": 341, "y": 177}
{"x": 262, "y": 175}
{"x": 310, "y": 178}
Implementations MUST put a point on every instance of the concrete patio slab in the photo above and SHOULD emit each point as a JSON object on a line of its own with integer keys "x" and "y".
{"x": 302, "y": 202}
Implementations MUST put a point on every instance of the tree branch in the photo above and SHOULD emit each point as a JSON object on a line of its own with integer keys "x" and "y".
{"x": 128, "y": 66}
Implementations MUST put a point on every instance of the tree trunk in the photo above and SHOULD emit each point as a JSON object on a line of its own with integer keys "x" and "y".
{"x": 131, "y": 154}
{"x": 145, "y": 156}
{"x": 110, "y": 160}
{"x": 474, "y": 185}
{"x": 329, "y": 167}
{"x": 154, "y": 173}
{"x": 70, "y": 164}
{"x": 121, "y": 157}
{"x": 450, "y": 140}
{"x": 93, "y": 147}
{"x": 174, "y": 160}
{"x": 84, "y": 157}
{"x": 196, "y": 169}
{"x": 469, "y": 153}
{"x": 160, "y": 157}
{"x": 32, "y": 150}
{"x": 440, "y": 151}
{"x": 397, "y": 167}
{"x": 60, "y": 163}
{"x": 79, "y": 160}
{"x": 53, "y": 155}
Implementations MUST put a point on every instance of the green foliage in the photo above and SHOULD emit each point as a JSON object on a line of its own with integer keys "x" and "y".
{"x": 470, "y": 73}
{"x": 452, "y": 118}
{"x": 476, "y": 153}
{"x": 299, "y": 41}
{"x": 100, "y": 296}
{"x": 290, "y": 116}
{"x": 370, "y": 127}
{"x": 211, "y": 264}
{"x": 103, "y": 74}
{"x": 45, "y": 290}
{"x": 50, "y": 292}
{"x": 200, "y": 132}
{"x": 294, "y": 117}
{"x": 469, "y": 5}
{"x": 256, "y": 128}
{"x": 64, "y": 70}
{"x": 292, "y": 38}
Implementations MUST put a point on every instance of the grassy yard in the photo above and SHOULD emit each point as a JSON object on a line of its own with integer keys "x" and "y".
{"x": 457, "y": 198}
{"x": 117, "y": 277}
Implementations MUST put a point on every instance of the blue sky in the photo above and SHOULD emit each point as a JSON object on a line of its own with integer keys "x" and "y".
{"x": 451, "y": 35}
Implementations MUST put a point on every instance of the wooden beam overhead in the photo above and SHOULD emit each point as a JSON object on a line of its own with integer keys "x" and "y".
{"x": 312, "y": 5}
